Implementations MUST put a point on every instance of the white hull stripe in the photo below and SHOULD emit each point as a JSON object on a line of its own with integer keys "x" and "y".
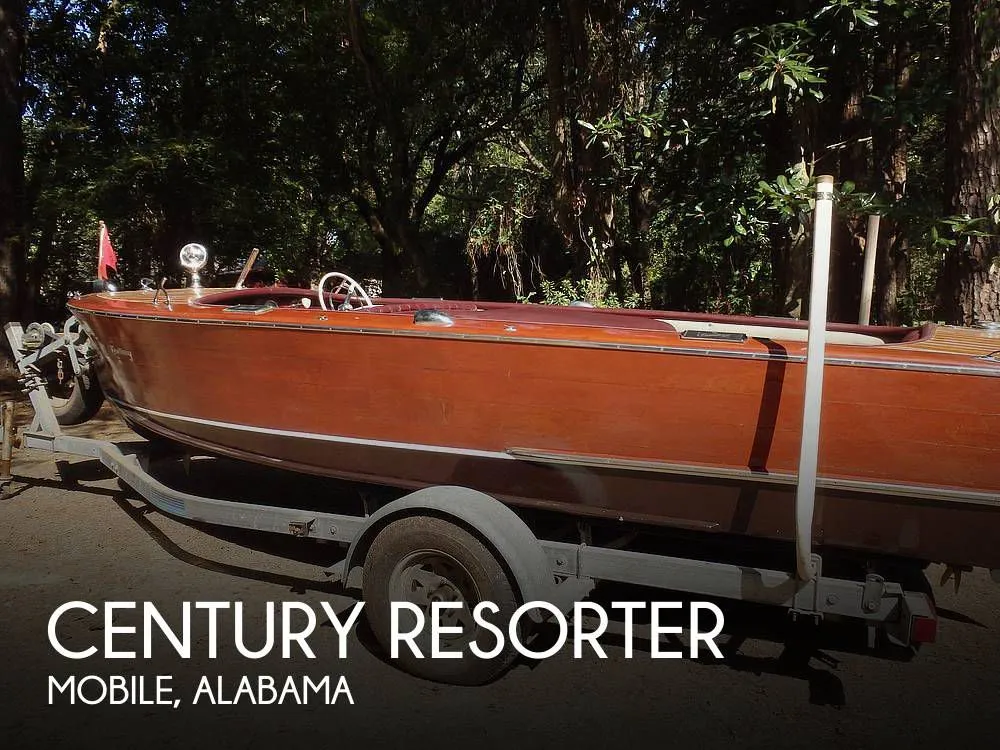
{"x": 940, "y": 494}
{"x": 317, "y": 436}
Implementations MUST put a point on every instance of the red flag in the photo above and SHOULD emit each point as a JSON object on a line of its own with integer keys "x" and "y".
{"x": 106, "y": 257}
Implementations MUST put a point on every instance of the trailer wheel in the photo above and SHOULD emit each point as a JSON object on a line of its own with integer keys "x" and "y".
{"x": 72, "y": 401}
{"x": 422, "y": 560}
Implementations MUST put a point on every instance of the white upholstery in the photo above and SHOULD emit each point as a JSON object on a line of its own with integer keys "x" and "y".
{"x": 776, "y": 333}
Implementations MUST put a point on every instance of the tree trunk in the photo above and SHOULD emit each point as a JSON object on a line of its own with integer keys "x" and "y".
{"x": 562, "y": 180}
{"x": 12, "y": 234}
{"x": 32, "y": 283}
{"x": 840, "y": 127}
{"x": 849, "y": 231}
{"x": 789, "y": 133}
{"x": 889, "y": 143}
{"x": 779, "y": 154}
{"x": 582, "y": 84}
{"x": 634, "y": 253}
{"x": 970, "y": 281}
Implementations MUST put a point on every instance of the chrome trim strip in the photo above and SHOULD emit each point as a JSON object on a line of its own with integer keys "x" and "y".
{"x": 651, "y": 348}
{"x": 485, "y": 338}
{"x": 316, "y": 436}
{"x": 918, "y": 492}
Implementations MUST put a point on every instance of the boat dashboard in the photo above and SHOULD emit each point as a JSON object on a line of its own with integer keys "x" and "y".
{"x": 263, "y": 299}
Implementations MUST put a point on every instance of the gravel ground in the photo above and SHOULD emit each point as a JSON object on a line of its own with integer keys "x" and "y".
{"x": 79, "y": 535}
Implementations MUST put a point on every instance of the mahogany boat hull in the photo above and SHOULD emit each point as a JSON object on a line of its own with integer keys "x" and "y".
{"x": 631, "y": 424}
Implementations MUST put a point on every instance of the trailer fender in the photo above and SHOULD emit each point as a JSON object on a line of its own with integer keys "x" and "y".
{"x": 499, "y": 528}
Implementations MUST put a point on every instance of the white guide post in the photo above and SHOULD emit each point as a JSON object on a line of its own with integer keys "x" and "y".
{"x": 868, "y": 280}
{"x": 805, "y": 499}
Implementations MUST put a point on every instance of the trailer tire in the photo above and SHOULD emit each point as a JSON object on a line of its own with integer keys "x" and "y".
{"x": 422, "y": 559}
{"x": 79, "y": 404}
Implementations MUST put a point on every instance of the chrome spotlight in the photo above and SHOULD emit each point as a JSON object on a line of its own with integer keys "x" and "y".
{"x": 193, "y": 258}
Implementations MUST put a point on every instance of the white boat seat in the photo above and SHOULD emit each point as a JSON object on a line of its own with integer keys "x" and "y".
{"x": 775, "y": 333}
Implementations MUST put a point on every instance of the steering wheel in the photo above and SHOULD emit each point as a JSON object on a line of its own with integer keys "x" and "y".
{"x": 352, "y": 287}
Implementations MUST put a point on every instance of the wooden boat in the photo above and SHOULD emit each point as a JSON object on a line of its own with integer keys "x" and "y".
{"x": 678, "y": 420}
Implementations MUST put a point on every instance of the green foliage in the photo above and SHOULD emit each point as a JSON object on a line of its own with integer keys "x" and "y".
{"x": 399, "y": 139}
{"x": 566, "y": 291}
{"x": 853, "y": 11}
{"x": 789, "y": 198}
{"x": 784, "y": 69}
